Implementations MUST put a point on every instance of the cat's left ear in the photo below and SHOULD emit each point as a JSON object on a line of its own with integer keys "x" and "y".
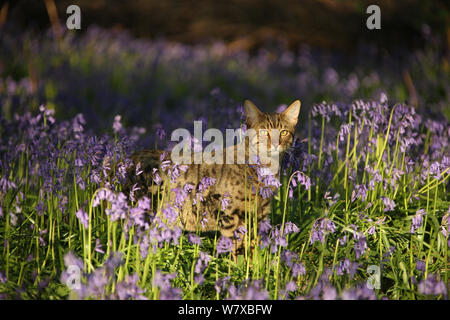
{"x": 252, "y": 113}
{"x": 292, "y": 112}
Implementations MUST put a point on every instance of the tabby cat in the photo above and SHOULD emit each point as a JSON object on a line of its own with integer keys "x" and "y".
{"x": 219, "y": 203}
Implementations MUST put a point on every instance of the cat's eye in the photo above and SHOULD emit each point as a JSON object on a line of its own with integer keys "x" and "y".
{"x": 284, "y": 133}
{"x": 263, "y": 132}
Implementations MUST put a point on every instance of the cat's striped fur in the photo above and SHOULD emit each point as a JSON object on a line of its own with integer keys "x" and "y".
{"x": 237, "y": 181}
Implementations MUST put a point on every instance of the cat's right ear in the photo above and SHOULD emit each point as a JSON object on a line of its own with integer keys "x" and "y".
{"x": 252, "y": 113}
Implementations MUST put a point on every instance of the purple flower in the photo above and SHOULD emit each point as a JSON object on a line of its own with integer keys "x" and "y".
{"x": 138, "y": 170}
{"x": 13, "y": 218}
{"x": 264, "y": 227}
{"x": 199, "y": 279}
{"x": 432, "y": 286}
{"x": 239, "y": 232}
{"x": 417, "y": 220}
{"x": 188, "y": 187}
{"x": 162, "y": 233}
{"x": 224, "y": 245}
{"x": 71, "y": 260}
{"x": 194, "y": 239}
{"x": 360, "y": 292}
{"x": 128, "y": 289}
{"x": 117, "y": 126}
{"x": 41, "y": 240}
{"x": 344, "y": 131}
{"x": 323, "y": 290}
{"x": 166, "y": 291}
{"x": 160, "y": 132}
{"x": 265, "y": 192}
{"x": 134, "y": 188}
{"x": 3, "y": 278}
{"x": 264, "y": 231}
{"x": 298, "y": 269}
{"x": 202, "y": 262}
{"x": 225, "y": 201}
{"x": 389, "y": 204}
{"x": 48, "y": 113}
{"x": 287, "y": 256}
{"x": 321, "y": 227}
{"x": 103, "y": 194}
{"x": 78, "y": 123}
{"x": 205, "y": 183}
{"x": 221, "y": 284}
{"x": 173, "y": 171}
{"x": 316, "y": 235}
{"x": 204, "y": 220}
{"x": 6, "y": 184}
{"x": 170, "y": 213}
{"x": 360, "y": 245}
{"x": 144, "y": 245}
{"x": 360, "y": 192}
{"x": 252, "y": 291}
{"x": 303, "y": 179}
{"x": 291, "y": 286}
{"x": 180, "y": 196}
{"x": 347, "y": 267}
{"x": 156, "y": 178}
{"x": 445, "y": 224}
{"x": 98, "y": 246}
{"x": 420, "y": 265}
{"x": 279, "y": 239}
{"x": 327, "y": 225}
{"x": 136, "y": 217}
{"x": 119, "y": 207}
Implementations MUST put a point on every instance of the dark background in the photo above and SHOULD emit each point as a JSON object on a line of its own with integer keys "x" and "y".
{"x": 249, "y": 24}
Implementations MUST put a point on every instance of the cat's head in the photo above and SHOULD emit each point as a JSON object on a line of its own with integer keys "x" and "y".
{"x": 272, "y": 129}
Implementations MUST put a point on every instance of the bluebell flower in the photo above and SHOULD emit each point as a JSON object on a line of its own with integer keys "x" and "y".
{"x": 298, "y": 269}
{"x": 420, "y": 265}
{"x": 166, "y": 291}
{"x": 202, "y": 262}
{"x": 129, "y": 289}
{"x": 117, "y": 125}
{"x": 248, "y": 291}
{"x": 432, "y": 286}
{"x": 417, "y": 220}
{"x": 360, "y": 245}
{"x": 225, "y": 201}
{"x": 321, "y": 227}
{"x": 360, "y": 292}
{"x": 224, "y": 245}
{"x": 389, "y": 204}
{"x": 346, "y": 266}
{"x": 194, "y": 239}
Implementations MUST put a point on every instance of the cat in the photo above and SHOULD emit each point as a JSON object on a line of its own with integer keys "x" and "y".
{"x": 217, "y": 196}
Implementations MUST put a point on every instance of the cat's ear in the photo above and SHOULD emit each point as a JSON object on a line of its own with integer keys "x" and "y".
{"x": 291, "y": 113}
{"x": 252, "y": 113}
